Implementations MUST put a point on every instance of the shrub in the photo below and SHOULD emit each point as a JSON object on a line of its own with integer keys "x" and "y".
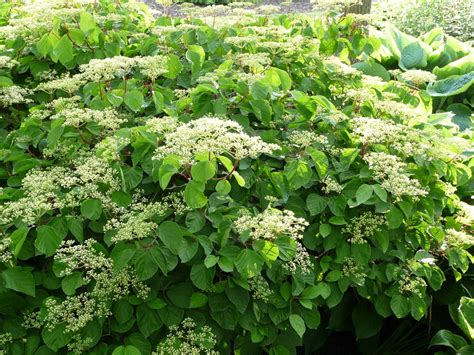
{"x": 170, "y": 187}
{"x": 419, "y": 16}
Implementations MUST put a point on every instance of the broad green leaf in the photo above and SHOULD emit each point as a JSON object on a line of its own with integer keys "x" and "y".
{"x": 298, "y": 173}
{"x": 320, "y": 161}
{"x": 364, "y": 193}
{"x": 445, "y": 337}
{"x": 400, "y": 306}
{"x": 86, "y": 22}
{"x": 413, "y": 56}
{"x": 203, "y": 171}
{"x": 196, "y": 55}
{"x": 297, "y": 323}
{"x": 223, "y": 187}
{"x": 171, "y": 236}
{"x": 202, "y": 277}
{"x": 91, "y": 209}
{"x": 18, "y": 237}
{"x": 63, "y": 50}
{"x": 452, "y": 85}
{"x": 134, "y": 100}
{"x": 194, "y": 194}
{"x": 47, "y": 240}
{"x": 316, "y": 204}
{"x": 249, "y": 263}
{"x": 466, "y": 316}
{"x": 373, "y": 69}
{"x": 19, "y": 279}
{"x": 57, "y": 337}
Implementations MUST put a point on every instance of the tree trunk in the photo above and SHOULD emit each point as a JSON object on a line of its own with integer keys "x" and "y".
{"x": 361, "y": 9}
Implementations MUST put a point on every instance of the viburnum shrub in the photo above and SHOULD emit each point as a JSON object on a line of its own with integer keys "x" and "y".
{"x": 173, "y": 188}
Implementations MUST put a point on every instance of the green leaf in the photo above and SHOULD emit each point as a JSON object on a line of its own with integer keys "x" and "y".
{"x": 239, "y": 297}
{"x": 413, "y": 56}
{"x": 249, "y": 263}
{"x": 297, "y": 323}
{"x": 134, "y": 100}
{"x": 223, "y": 187}
{"x": 466, "y": 316}
{"x": 148, "y": 320}
{"x": 267, "y": 249}
{"x": 158, "y": 100}
{"x": 63, "y": 50}
{"x": 86, "y": 22}
{"x": 91, "y": 209}
{"x": 19, "y": 279}
{"x": 320, "y": 161}
{"x": 452, "y": 85}
{"x": 57, "y": 337}
{"x": 400, "y": 306}
{"x": 194, "y": 194}
{"x": 373, "y": 69}
{"x": 198, "y": 300}
{"x": 203, "y": 171}
{"x": 364, "y": 193}
{"x": 260, "y": 90}
{"x": 71, "y": 283}
{"x": 18, "y": 238}
{"x": 298, "y": 173}
{"x": 174, "y": 66}
{"x": 171, "y": 236}
{"x": 394, "y": 218}
{"x": 47, "y": 240}
{"x": 196, "y": 55}
{"x": 316, "y": 204}
{"x": 445, "y": 337}
{"x": 166, "y": 172}
{"x": 202, "y": 277}
{"x": 195, "y": 221}
{"x": 45, "y": 45}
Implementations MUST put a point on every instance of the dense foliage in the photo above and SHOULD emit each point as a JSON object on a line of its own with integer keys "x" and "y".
{"x": 416, "y": 17}
{"x": 171, "y": 187}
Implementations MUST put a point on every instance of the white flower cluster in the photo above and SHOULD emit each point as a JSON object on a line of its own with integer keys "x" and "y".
{"x": 5, "y": 249}
{"x": 77, "y": 310}
{"x": 188, "y": 339}
{"x": 353, "y": 271}
{"x": 77, "y": 116}
{"x": 398, "y": 110}
{"x": 106, "y": 69}
{"x": 412, "y": 284}
{"x": 418, "y": 77}
{"x": 466, "y": 214}
{"x": 136, "y": 221}
{"x": 11, "y": 95}
{"x": 331, "y": 185}
{"x": 33, "y": 18}
{"x": 260, "y": 289}
{"x": 271, "y": 224}
{"x": 211, "y": 135}
{"x": 402, "y": 138}
{"x": 7, "y": 62}
{"x": 390, "y": 170}
{"x": 162, "y": 125}
{"x": 364, "y": 226}
{"x": 301, "y": 261}
{"x": 303, "y": 139}
{"x": 59, "y": 187}
{"x": 457, "y": 239}
{"x": 253, "y": 61}
{"x": 337, "y": 66}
